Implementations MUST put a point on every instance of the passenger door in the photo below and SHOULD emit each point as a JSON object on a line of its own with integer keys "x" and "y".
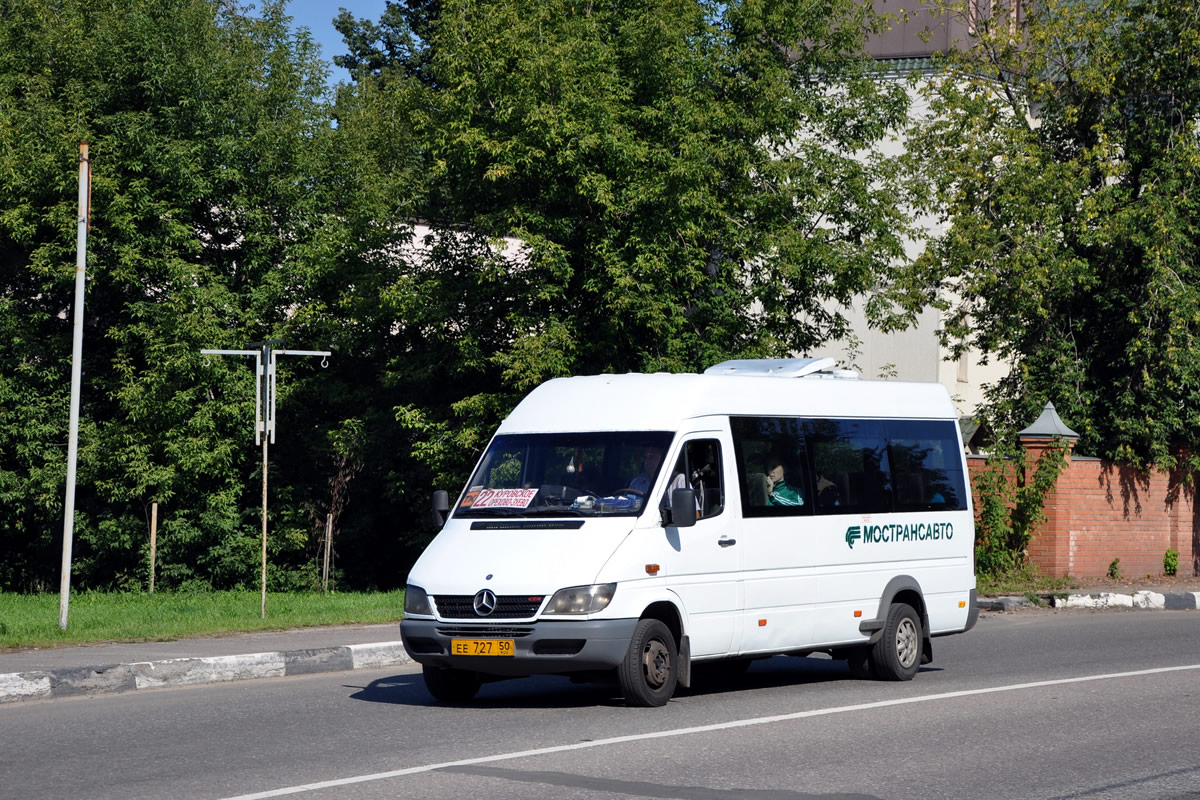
{"x": 777, "y": 536}
{"x": 703, "y": 562}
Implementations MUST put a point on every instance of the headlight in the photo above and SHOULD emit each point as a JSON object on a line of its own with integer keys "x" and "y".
{"x": 416, "y": 601}
{"x": 582, "y": 599}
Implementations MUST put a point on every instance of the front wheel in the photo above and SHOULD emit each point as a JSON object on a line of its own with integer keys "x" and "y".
{"x": 451, "y": 685}
{"x": 650, "y": 670}
{"x": 897, "y": 654}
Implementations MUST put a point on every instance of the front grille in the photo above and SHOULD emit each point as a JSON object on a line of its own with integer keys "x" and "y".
{"x": 485, "y": 631}
{"x": 508, "y": 606}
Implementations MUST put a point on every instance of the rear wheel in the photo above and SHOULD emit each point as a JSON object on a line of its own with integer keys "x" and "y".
{"x": 451, "y": 685}
{"x": 650, "y": 671}
{"x": 897, "y": 654}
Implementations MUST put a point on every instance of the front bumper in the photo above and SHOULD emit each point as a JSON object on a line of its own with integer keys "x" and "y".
{"x": 541, "y": 647}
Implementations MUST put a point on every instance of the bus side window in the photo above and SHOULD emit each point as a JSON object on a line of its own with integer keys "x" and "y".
{"x": 699, "y": 469}
{"x": 772, "y": 466}
{"x": 926, "y": 465}
{"x": 704, "y": 476}
{"x": 851, "y": 466}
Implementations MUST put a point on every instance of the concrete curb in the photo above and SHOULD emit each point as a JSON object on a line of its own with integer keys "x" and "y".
{"x": 1101, "y": 600}
{"x": 114, "y": 678}
{"x": 1154, "y": 600}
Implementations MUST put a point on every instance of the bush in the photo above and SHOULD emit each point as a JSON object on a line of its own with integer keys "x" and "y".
{"x": 1171, "y": 561}
{"x": 1010, "y": 496}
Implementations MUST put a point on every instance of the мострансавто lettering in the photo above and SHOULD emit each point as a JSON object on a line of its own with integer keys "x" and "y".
{"x": 919, "y": 532}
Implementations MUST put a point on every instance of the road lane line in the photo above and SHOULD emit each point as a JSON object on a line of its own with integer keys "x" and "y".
{"x": 718, "y": 726}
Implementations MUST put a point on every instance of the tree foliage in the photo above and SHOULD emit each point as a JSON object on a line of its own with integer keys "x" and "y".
{"x": 211, "y": 225}
{"x": 625, "y": 186}
{"x": 1063, "y": 150}
{"x": 507, "y": 192}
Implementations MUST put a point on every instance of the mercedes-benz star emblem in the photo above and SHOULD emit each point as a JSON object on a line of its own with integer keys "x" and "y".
{"x": 485, "y": 602}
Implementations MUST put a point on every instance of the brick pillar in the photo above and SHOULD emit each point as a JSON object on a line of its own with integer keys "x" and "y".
{"x": 1050, "y": 544}
{"x": 1184, "y": 520}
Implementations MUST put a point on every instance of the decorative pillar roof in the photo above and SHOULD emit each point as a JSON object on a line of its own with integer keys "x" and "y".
{"x": 1048, "y": 426}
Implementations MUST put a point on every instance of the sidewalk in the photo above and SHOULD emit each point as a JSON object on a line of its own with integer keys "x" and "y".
{"x": 1163, "y": 593}
{"x": 110, "y": 668}
{"x": 124, "y": 667}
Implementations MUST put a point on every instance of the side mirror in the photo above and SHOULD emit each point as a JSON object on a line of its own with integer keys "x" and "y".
{"x": 441, "y": 505}
{"x": 683, "y": 508}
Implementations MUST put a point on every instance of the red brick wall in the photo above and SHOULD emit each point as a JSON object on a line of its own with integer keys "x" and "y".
{"x": 1100, "y": 511}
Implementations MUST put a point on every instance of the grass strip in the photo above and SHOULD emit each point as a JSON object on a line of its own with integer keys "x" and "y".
{"x": 28, "y": 621}
{"x": 1023, "y": 582}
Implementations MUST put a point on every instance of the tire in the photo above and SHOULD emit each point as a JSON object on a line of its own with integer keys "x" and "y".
{"x": 650, "y": 670}
{"x": 451, "y": 685}
{"x": 897, "y": 654}
{"x": 858, "y": 660}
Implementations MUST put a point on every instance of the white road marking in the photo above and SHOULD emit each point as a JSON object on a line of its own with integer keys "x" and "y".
{"x": 720, "y": 726}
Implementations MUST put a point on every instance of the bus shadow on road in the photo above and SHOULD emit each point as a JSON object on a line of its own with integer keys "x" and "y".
{"x": 552, "y": 692}
{"x": 768, "y": 673}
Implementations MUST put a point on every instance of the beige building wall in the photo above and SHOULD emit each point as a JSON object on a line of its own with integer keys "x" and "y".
{"x": 915, "y": 354}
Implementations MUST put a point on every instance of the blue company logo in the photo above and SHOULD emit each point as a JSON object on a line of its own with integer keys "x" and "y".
{"x": 853, "y": 534}
{"x": 919, "y": 532}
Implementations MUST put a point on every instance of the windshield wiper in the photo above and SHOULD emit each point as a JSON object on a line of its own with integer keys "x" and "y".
{"x": 555, "y": 511}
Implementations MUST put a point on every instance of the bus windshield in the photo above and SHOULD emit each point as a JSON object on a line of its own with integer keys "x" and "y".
{"x": 565, "y": 474}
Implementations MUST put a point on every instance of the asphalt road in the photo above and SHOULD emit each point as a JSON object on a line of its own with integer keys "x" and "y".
{"x": 1033, "y": 705}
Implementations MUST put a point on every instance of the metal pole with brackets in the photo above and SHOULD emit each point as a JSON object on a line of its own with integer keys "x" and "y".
{"x": 264, "y": 417}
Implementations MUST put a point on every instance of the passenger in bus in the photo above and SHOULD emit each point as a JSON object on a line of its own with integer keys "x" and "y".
{"x": 828, "y": 493}
{"x": 779, "y": 491}
{"x": 757, "y": 493}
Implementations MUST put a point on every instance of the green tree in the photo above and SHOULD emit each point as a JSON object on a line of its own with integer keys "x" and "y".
{"x": 1063, "y": 151}
{"x": 210, "y": 141}
{"x": 616, "y": 186}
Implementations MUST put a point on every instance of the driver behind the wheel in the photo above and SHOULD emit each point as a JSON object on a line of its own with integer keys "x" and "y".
{"x": 652, "y": 458}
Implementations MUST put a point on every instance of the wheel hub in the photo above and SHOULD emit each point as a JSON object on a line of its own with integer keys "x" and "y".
{"x": 907, "y": 646}
{"x": 656, "y": 663}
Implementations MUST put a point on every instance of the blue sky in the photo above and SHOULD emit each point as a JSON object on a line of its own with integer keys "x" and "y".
{"x": 317, "y": 16}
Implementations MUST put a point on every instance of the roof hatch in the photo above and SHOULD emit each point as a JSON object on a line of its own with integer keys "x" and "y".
{"x": 780, "y": 367}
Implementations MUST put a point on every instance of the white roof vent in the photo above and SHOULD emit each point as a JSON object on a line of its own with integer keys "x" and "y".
{"x": 779, "y": 367}
{"x": 842, "y": 374}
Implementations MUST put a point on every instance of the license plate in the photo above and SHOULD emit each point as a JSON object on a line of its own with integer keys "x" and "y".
{"x": 481, "y": 647}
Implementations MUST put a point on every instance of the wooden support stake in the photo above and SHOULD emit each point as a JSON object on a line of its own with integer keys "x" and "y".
{"x": 153, "y": 541}
{"x": 328, "y": 546}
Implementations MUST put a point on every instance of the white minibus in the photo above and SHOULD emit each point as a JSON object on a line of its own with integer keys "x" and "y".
{"x": 634, "y": 526}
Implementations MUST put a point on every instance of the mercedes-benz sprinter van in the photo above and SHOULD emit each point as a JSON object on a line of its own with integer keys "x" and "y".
{"x": 637, "y": 525}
